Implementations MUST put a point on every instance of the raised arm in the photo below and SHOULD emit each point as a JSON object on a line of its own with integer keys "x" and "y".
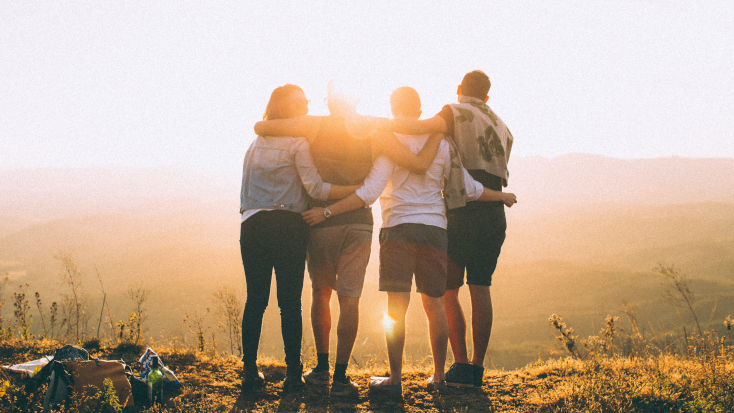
{"x": 387, "y": 144}
{"x": 306, "y": 126}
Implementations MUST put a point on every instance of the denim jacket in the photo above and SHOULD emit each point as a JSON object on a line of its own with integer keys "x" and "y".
{"x": 279, "y": 173}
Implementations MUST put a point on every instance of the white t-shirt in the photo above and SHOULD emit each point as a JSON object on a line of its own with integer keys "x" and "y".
{"x": 412, "y": 198}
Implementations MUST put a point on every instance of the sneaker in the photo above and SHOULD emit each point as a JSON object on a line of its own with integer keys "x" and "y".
{"x": 378, "y": 385}
{"x": 478, "y": 376}
{"x": 460, "y": 375}
{"x": 317, "y": 378}
{"x": 341, "y": 388}
{"x": 293, "y": 379}
{"x": 253, "y": 383}
{"x": 437, "y": 386}
{"x": 293, "y": 384}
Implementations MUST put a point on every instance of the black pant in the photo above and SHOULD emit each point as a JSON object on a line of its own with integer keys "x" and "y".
{"x": 273, "y": 240}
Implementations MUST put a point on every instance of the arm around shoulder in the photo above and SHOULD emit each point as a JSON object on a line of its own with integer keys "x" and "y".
{"x": 387, "y": 144}
{"x": 306, "y": 126}
{"x": 435, "y": 124}
{"x": 315, "y": 216}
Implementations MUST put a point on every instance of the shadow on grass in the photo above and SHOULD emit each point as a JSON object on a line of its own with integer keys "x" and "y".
{"x": 463, "y": 400}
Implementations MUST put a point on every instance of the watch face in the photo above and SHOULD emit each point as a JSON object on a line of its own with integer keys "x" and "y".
{"x": 327, "y": 213}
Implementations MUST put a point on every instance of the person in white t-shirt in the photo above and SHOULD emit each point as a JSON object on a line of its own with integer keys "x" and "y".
{"x": 413, "y": 240}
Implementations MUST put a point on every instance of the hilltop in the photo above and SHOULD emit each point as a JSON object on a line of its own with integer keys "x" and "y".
{"x": 582, "y": 241}
{"x": 700, "y": 381}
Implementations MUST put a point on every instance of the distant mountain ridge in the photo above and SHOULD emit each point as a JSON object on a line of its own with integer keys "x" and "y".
{"x": 584, "y": 237}
{"x": 115, "y": 212}
{"x": 38, "y": 195}
{"x": 574, "y": 179}
{"x": 43, "y": 194}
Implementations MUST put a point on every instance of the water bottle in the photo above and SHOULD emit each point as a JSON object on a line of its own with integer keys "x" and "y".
{"x": 155, "y": 382}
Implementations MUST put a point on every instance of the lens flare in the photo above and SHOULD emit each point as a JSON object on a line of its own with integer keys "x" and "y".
{"x": 387, "y": 322}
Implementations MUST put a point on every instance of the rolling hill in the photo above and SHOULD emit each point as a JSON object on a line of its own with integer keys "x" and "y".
{"x": 584, "y": 238}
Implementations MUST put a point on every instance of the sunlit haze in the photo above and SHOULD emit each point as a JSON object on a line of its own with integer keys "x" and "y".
{"x": 172, "y": 83}
{"x": 124, "y": 125}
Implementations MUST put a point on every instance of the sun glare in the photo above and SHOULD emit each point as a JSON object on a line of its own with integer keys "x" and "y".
{"x": 387, "y": 322}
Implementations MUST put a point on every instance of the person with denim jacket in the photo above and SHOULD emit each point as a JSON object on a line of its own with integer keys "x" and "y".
{"x": 278, "y": 176}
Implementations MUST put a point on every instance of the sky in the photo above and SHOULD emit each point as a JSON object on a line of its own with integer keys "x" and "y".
{"x": 152, "y": 84}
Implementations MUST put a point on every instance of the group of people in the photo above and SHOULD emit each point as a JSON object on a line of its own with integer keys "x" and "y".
{"x": 307, "y": 186}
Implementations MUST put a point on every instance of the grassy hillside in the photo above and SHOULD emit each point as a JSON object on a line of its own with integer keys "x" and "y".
{"x": 698, "y": 381}
{"x": 583, "y": 264}
{"x": 582, "y": 241}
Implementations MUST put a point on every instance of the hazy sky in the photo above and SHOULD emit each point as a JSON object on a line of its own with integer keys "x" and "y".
{"x": 142, "y": 83}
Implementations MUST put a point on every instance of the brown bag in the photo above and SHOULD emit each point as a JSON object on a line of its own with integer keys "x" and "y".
{"x": 84, "y": 373}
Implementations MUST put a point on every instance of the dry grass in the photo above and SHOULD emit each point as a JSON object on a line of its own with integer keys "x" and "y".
{"x": 697, "y": 382}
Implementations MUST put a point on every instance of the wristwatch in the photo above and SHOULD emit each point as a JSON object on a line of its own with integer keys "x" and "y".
{"x": 327, "y": 212}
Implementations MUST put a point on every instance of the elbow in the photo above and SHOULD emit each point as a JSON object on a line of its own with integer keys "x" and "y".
{"x": 366, "y": 199}
{"x": 258, "y": 129}
{"x": 324, "y": 193}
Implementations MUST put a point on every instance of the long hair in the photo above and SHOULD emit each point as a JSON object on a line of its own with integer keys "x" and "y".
{"x": 277, "y": 105}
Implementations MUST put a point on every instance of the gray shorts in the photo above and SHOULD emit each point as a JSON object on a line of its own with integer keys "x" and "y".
{"x": 338, "y": 257}
{"x": 408, "y": 249}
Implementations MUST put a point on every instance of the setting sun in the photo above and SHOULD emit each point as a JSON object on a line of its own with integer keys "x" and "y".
{"x": 254, "y": 193}
{"x": 387, "y": 322}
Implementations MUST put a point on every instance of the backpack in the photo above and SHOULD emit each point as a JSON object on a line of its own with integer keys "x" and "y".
{"x": 71, "y": 371}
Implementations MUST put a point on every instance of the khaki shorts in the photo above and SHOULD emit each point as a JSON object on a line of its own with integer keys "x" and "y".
{"x": 338, "y": 257}
{"x": 408, "y": 249}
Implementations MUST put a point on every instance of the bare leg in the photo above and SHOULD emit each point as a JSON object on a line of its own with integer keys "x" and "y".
{"x": 321, "y": 318}
{"x": 397, "y": 306}
{"x": 438, "y": 329}
{"x": 346, "y": 330}
{"x": 457, "y": 326}
{"x": 481, "y": 321}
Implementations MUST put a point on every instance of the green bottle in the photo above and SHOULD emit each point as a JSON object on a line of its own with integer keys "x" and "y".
{"x": 155, "y": 382}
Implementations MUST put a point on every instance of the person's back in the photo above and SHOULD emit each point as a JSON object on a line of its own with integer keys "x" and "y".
{"x": 483, "y": 143}
{"x": 276, "y": 175}
{"x": 340, "y": 158}
{"x": 271, "y": 178}
{"x": 482, "y": 138}
{"x": 476, "y": 231}
{"x": 339, "y": 248}
{"x": 416, "y": 198}
{"x": 413, "y": 243}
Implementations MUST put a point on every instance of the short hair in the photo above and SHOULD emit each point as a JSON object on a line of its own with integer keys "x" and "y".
{"x": 278, "y": 104}
{"x": 475, "y": 84}
{"x": 405, "y": 101}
